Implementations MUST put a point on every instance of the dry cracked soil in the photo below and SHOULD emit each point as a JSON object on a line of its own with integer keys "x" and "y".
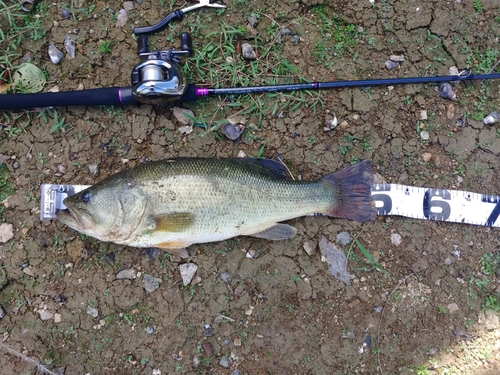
{"x": 428, "y": 304}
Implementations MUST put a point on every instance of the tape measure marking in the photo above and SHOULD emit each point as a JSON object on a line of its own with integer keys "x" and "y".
{"x": 437, "y": 204}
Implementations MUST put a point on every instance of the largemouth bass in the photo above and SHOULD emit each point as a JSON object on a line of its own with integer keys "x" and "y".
{"x": 171, "y": 204}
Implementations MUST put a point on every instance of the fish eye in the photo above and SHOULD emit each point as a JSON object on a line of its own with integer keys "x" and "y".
{"x": 86, "y": 196}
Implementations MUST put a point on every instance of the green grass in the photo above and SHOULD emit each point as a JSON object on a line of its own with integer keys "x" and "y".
{"x": 218, "y": 63}
{"x": 490, "y": 263}
{"x": 338, "y": 37}
{"x": 104, "y": 47}
{"x": 482, "y": 61}
{"x": 370, "y": 258}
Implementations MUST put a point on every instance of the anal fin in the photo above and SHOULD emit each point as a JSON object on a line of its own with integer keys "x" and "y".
{"x": 277, "y": 232}
{"x": 175, "y": 248}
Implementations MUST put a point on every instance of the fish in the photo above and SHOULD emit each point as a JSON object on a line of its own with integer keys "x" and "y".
{"x": 174, "y": 203}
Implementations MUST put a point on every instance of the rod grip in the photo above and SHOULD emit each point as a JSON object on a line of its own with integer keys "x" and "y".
{"x": 102, "y": 96}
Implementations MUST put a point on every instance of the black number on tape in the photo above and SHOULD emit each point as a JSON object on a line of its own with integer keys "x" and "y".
{"x": 496, "y": 210}
{"x": 386, "y": 200}
{"x": 435, "y": 198}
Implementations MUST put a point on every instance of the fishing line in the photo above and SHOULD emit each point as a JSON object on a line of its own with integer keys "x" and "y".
{"x": 454, "y": 206}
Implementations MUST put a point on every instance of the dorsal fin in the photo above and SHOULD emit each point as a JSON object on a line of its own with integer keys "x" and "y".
{"x": 271, "y": 168}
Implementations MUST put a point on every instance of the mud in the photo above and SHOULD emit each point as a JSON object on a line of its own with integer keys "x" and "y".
{"x": 281, "y": 312}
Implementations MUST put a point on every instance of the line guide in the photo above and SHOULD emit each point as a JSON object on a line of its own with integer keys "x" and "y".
{"x": 455, "y": 206}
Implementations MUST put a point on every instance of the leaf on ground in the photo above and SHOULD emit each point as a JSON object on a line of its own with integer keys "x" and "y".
{"x": 29, "y": 78}
{"x": 336, "y": 259}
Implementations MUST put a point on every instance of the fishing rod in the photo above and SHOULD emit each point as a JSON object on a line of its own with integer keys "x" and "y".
{"x": 157, "y": 79}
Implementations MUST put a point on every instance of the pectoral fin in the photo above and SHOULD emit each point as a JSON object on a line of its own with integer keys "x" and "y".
{"x": 175, "y": 248}
{"x": 175, "y": 222}
{"x": 277, "y": 232}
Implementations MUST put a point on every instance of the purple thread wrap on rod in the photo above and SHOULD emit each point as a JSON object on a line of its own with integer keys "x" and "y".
{"x": 201, "y": 91}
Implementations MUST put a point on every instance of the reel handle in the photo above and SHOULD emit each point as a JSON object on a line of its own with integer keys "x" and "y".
{"x": 187, "y": 43}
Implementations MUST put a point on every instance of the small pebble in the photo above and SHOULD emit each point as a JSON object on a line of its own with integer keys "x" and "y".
{"x": 233, "y": 132}
{"x": 251, "y": 254}
{"x": 65, "y": 14}
{"x": 69, "y": 44}
{"x": 368, "y": 341}
{"x": 196, "y": 362}
{"x": 426, "y": 157}
{"x": 453, "y": 71}
{"x": 94, "y": 169}
{"x": 128, "y": 5}
{"x": 207, "y": 347}
{"x": 447, "y": 261}
{"x": 450, "y": 112}
{"x": 343, "y": 238}
{"x": 237, "y": 341}
{"x": 6, "y": 232}
{"x": 330, "y": 124}
{"x": 208, "y": 332}
{"x": 224, "y": 362}
{"x": 296, "y": 39}
{"x": 397, "y": 58}
{"x": 432, "y": 351}
{"x": 45, "y": 314}
{"x": 128, "y": 273}
{"x": 396, "y": 239}
{"x": 424, "y": 135}
{"x": 227, "y": 341}
{"x": 241, "y": 154}
{"x": 151, "y": 283}
{"x": 183, "y": 115}
{"x": 122, "y": 18}
{"x": 452, "y": 307}
{"x": 446, "y": 91}
{"x": 236, "y": 372}
{"x": 2, "y": 313}
{"x": 150, "y": 330}
{"x": 247, "y": 52}
{"x": 492, "y": 118}
{"x": 286, "y": 31}
{"x": 57, "y": 318}
{"x": 186, "y": 129}
{"x": 54, "y": 54}
{"x": 378, "y": 309}
{"x": 461, "y": 122}
{"x": 187, "y": 271}
{"x": 390, "y": 65}
{"x": 252, "y": 21}
{"x": 92, "y": 311}
{"x": 423, "y": 114}
{"x": 28, "y": 271}
{"x": 310, "y": 247}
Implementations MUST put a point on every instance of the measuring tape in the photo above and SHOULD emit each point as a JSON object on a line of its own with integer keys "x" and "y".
{"x": 454, "y": 206}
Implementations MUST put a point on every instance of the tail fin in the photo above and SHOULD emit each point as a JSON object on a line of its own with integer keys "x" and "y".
{"x": 352, "y": 189}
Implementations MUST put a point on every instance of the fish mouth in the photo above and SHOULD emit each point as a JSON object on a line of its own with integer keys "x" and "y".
{"x": 69, "y": 218}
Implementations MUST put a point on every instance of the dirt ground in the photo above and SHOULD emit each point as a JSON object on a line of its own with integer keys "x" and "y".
{"x": 281, "y": 312}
